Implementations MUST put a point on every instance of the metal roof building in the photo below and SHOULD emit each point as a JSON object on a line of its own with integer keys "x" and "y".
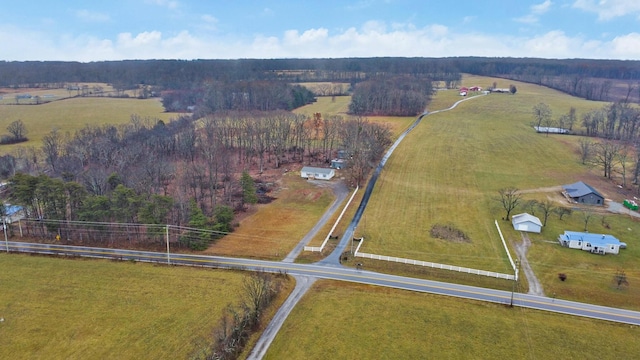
{"x": 526, "y": 222}
{"x": 582, "y": 193}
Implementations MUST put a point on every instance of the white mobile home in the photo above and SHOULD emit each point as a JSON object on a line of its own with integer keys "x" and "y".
{"x": 593, "y": 243}
{"x": 309, "y": 172}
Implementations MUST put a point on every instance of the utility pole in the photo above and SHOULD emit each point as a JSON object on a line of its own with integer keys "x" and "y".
{"x": 168, "y": 258}
{"x": 4, "y": 227}
{"x": 515, "y": 279}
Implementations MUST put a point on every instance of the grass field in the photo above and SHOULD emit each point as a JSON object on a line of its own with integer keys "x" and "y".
{"x": 347, "y": 321}
{"x": 274, "y": 229}
{"x": 93, "y": 309}
{"x": 72, "y": 114}
{"x": 483, "y": 145}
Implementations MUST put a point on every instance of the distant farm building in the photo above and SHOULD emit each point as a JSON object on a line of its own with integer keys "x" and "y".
{"x": 526, "y": 222}
{"x": 582, "y": 193}
{"x": 475, "y": 88}
{"x": 593, "y": 243}
{"x": 309, "y": 172}
{"x": 337, "y": 163}
{"x": 550, "y": 130}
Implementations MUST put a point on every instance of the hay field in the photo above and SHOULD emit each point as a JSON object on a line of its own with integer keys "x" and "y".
{"x": 274, "y": 229}
{"x": 326, "y": 106}
{"x": 448, "y": 171}
{"x": 57, "y": 308}
{"x": 348, "y": 321}
{"x": 72, "y": 114}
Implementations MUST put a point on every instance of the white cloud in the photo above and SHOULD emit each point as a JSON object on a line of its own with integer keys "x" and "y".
{"x": 170, "y": 4}
{"x": 542, "y": 7}
{"x": 536, "y": 11}
{"x": 527, "y": 19}
{"x": 468, "y": 19}
{"x": 609, "y": 9}
{"x": 91, "y": 16}
{"x": 372, "y": 39}
{"x": 626, "y": 46}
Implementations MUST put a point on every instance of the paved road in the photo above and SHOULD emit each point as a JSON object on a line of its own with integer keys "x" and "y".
{"x": 303, "y": 284}
{"x": 345, "y": 274}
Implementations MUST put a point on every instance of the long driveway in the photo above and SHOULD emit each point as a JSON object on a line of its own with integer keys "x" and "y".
{"x": 334, "y": 258}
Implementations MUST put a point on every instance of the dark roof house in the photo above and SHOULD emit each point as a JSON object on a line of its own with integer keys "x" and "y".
{"x": 582, "y": 193}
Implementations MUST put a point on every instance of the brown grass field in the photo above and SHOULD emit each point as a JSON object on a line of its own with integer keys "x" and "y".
{"x": 69, "y": 115}
{"x": 273, "y": 230}
{"x": 349, "y": 321}
{"x": 55, "y": 308}
{"x": 447, "y": 171}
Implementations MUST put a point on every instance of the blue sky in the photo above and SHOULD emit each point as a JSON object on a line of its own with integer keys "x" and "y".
{"x": 75, "y": 30}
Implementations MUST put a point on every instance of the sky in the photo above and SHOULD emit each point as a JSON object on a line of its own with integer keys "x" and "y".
{"x": 85, "y": 31}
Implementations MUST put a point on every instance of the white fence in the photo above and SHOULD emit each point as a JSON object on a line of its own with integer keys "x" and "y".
{"x": 319, "y": 248}
{"x": 434, "y": 265}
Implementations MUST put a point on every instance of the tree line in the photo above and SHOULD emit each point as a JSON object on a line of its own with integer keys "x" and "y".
{"x": 393, "y": 96}
{"x": 147, "y": 171}
{"x": 612, "y": 137}
{"x": 580, "y": 77}
{"x": 238, "y": 95}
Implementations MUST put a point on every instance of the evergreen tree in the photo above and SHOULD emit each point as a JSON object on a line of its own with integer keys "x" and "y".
{"x": 249, "y": 195}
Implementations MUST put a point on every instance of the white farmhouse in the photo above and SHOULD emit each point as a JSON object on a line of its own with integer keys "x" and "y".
{"x": 309, "y": 172}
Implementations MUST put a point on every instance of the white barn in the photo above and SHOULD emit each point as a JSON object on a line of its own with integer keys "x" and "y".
{"x": 526, "y": 222}
{"x": 309, "y": 172}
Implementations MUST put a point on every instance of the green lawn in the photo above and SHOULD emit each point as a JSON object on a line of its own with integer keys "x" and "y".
{"x": 96, "y": 309}
{"x": 347, "y": 321}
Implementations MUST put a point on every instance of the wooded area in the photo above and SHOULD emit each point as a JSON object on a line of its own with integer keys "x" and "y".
{"x": 235, "y": 120}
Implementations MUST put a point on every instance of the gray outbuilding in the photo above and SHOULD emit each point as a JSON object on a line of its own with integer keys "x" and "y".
{"x": 582, "y": 193}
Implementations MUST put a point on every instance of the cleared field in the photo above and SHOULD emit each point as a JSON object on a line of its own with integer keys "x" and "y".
{"x": 325, "y": 88}
{"x": 274, "y": 229}
{"x": 348, "y": 321}
{"x": 72, "y": 114}
{"x": 326, "y": 105}
{"x": 448, "y": 171}
{"x": 340, "y": 105}
{"x": 93, "y": 309}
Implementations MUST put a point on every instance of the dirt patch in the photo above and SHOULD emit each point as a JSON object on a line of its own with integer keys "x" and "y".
{"x": 449, "y": 233}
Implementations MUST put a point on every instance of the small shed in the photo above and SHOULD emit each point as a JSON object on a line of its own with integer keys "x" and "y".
{"x": 593, "y": 243}
{"x": 309, "y": 172}
{"x": 337, "y": 163}
{"x": 526, "y": 222}
{"x": 582, "y": 193}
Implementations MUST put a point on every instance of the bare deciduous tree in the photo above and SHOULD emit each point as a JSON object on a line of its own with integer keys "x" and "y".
{"x": 541, "y": 113}
{"x": 605, "y": 155}
{"x": 509, "y": 198}
{"x": 18, "y": 130}
{"x": 620, "y": 278}
{"x": 546, "y": 207}
{"x": 586, "y": 216}
{"x": 586, "y": 150}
